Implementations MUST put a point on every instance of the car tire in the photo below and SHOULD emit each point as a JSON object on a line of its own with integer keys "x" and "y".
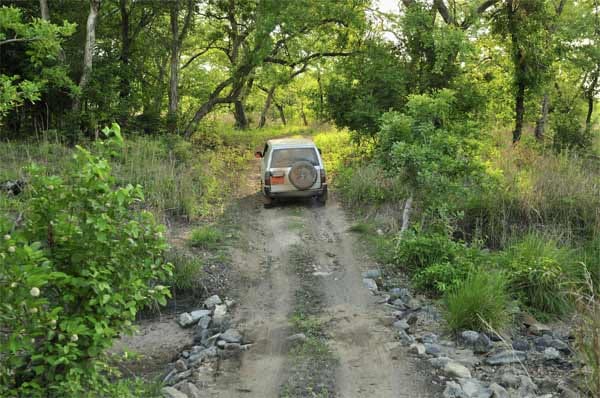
{"x": 322, "y": 199}
{"x": 268, "y": 202}
{"x": 302, "y": 175}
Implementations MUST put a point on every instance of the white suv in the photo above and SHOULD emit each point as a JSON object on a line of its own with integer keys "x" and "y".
{"x": 292, "y": 168}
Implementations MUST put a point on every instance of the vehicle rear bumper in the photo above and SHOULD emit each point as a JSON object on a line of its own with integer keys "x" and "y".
{"x": 296, "y": 194}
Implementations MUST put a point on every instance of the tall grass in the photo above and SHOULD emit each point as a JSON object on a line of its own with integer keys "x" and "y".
{"x": 478, "y": 302}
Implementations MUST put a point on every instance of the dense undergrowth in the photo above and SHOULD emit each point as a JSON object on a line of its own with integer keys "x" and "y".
{"x": 494, "y": 227}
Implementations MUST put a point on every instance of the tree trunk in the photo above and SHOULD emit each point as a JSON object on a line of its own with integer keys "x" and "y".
{"x": 303, "y": 115}
{"x": 281, "y": 113}
{"x": 174, "y": 79}
{"x": 44, "y": 9}
{"x": 519, "y": 111}
{"x": 540, "y": 125}
{"x": 241, "y": 121}
{"x": 266, "y": 107}
{"x": 88, "y": 53}
{"x": 590, "y": 101}
{"x": 406, "y": 215}
{"x": 124, "y": 78}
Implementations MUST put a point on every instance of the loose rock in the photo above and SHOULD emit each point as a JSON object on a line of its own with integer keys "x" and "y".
{"x": 506, "y": 357}
{"x": 551, "y": 354}
{"x": 370, "y": 284}
{"x": 191, "y": 390}
{"x": 231, "y": 336}
{"x": 170, "y": 392}
{"x": 455, "y": 369}
{"x": 212, "y": 301}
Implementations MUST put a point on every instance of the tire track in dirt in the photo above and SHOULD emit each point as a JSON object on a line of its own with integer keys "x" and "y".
{"x": 366, "y": 367}
{"x": 263, "y": 309}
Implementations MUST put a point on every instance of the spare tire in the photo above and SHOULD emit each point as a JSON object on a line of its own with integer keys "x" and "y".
{"x": 302, "y": 175}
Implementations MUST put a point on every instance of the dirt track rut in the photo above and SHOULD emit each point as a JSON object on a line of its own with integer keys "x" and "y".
{"x": 268, "y": 284}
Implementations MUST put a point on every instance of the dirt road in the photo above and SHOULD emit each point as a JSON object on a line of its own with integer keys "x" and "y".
{"x": 351, "y": 319}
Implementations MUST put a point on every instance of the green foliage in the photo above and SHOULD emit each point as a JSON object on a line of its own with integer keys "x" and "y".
{"x": 433, "y": 149}
{"x": 436, "y": 262}
{"x": 74, "y": 277}
{"x": 187, "y": 272}
{"x": 366, "y": 86}
{"x": 42, "y": 46}
{"x": 206, "y": 237}
{"x": 478, "y": 303}
{"x": 542, "y": 273}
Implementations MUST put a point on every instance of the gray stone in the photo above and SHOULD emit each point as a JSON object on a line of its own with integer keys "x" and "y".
{"x": 566, "y": 392}
{"x": 220, "y": 318}
{"x": 430, "y": 338}
{"x": 539, "y": 329}
{"x": 180, "y": 365}
{"x": 521, "y": 344}
{"x": 527, "y": 388}
{"x": 177, "y": 377}
{"x": 370, "y": 284}
{"x": 196, "y": 315}
{"x": 185, "y": 320}
{"x": 401, "y": 325}
{"x": 510, "y": 380}
{"x": 469, "y": 337}
{"x": 433, "y": 349}
{"x": 412, "y": 319}
{"x": 198, "y": 357}
{"x": 400, "y": 293}
{"x": 414, "y": 304}
{"x": 551, "y": 354}
{"x": 298, "y": 337}
{"x": 483, "y": 344}
{"x": 455, "y": 369}
{"x": 474, "y": 389}
{"x": 232, "y": 347}
{"x": 212, "y": 301}
{"x": 498, "y": 391}
{"x": 399, "y": 303}
{"x": 417, "y": 348}
{"x": 231, "y": 336}
{"x": 405, "y": 338}
{"x": 439, "y": 362}
{"x": 170, "y": 392}
{"x": 506, "y": 357}
{"x": 453, "y": 390}
{"x": 204, "y": 322}
{"x": 191, "y": 390}
{"x": 398, "y": 314}
{"x": 372, "y": 274}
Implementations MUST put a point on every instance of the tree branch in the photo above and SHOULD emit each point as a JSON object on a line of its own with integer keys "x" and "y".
{"x": 18, "y": 40}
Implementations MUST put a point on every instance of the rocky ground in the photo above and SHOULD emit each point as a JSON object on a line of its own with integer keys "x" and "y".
{"x": 311, "y": 319}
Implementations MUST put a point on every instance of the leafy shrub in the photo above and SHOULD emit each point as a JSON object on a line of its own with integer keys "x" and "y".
{"x": 542, "y": 273}
{"x": 73, "y": 277}
{"x": 478, "y": 301}
{"x": 206, "y": 237}
{"x": 416, "y": 251}
{"x": 438, "y": 278}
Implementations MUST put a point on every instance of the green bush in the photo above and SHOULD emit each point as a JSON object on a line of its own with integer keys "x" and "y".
{"x": 206, "y": 237}
{"x": 417, "y": 250}
{"x": 478, "y": 302}
{"x": 364, "y": 185}
{"x": 73, "y": 278}
{"x": 542, "y": 274}
{"x": 438, "y": 278}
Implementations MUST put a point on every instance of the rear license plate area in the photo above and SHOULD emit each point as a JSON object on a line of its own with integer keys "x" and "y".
{"x": 277, "y": 180}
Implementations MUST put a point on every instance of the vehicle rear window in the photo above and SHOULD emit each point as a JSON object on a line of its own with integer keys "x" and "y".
{"x": 288, "y": 156}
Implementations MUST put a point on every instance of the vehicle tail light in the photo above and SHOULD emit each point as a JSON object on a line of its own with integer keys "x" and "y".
{"x": 268, "y": 178}
{"x": 323, "y": 176}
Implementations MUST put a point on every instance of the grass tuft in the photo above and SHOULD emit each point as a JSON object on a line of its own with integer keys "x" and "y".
{"x": 206, "y": 237}
{"x": 478, "y": 302}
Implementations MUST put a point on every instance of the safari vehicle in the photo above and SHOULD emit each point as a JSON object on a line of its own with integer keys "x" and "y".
{"x": 292, "y": 168}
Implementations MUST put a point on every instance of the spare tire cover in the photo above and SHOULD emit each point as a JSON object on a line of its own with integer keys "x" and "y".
{"x": 302, "y": 175}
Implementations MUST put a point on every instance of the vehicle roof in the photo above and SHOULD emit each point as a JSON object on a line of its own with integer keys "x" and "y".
{"x": 287, "y": 142}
